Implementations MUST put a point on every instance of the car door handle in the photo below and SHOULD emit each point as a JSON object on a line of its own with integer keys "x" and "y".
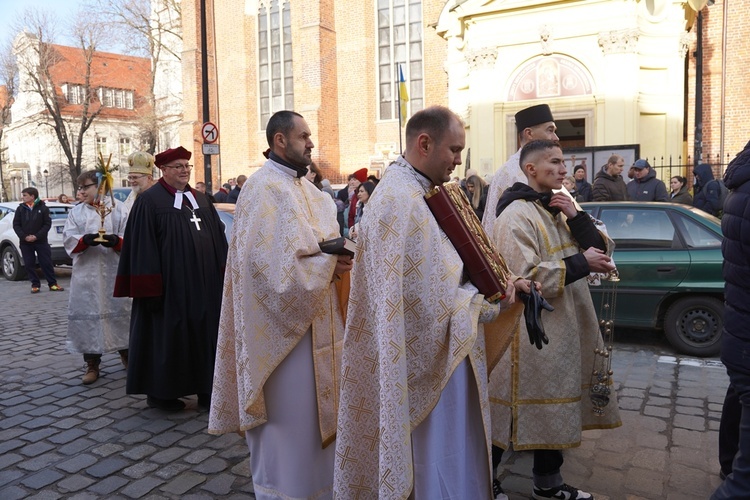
{"x": 668, "y": 269}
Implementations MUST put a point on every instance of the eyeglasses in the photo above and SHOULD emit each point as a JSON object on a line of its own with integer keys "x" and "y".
{"x": 178, "y": 167}
{"x": 85, "y": 187}
{"x": 135, "y": 177}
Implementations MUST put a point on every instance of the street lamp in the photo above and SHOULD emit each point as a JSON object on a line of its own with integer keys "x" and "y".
{"x": 46, "y": 184}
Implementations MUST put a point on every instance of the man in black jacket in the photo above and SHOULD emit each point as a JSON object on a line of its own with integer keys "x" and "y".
{"x": 31, "y": 223}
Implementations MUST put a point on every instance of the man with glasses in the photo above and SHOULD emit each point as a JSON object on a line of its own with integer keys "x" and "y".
{"x": 140, "y": 175}
{"x": 172, "y": 264}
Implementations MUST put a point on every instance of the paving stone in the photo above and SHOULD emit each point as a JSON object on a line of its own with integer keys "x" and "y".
{"x": 17, "y": 409}
{"x": 184, "y": 482}
{"x": 689, "y": 422}
{"x": 48, "y": 495}
{"x": 135, "y": 437}
{"x": 77, "y": 463}
{"x": 35, "y": 449}
{"x": 141, "y": 487}
{"x": 167, "y": 439}
{"x": 8, "y": 476}
{"x": 139, "y": 452}
{"x": 108, "y": 485}
{"x": 39, "y": 462}
{"x": 97, "y": 423}
{"x": 10, "y": 445}
{"x": 140, "y": 470}
{"x": 8, "y": 459}
{"x": 107, "y": 466}
{"x": 169, "y": 455}
{"x": 211, "y": 466}
{"x": 39, "y": 434}
{"x": 13, "y": 493}
{"x": 198, "y": 456}
{"x": 42, "y": 479}
{"x": 76, "y": 446}
{"x": 108, "y": 449}
{"x": 220, "y": 485}
{"x": 66, "y": 436}
{"x": 169, "y": 471}
{"x": 75, "y": 483}
{"x": 67, "y": 423}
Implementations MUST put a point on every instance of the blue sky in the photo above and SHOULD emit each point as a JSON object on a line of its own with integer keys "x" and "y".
{"x": 62, "y": 10}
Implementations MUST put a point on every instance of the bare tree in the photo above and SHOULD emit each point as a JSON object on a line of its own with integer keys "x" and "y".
{"x": 149, "y": 32}
{"x": 37, "y": 57}
{"x": 9, "y": 77}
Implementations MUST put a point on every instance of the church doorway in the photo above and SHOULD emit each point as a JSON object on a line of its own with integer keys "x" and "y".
{"x": 572, "y": 132}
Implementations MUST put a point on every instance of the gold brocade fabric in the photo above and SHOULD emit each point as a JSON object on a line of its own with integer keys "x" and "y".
{"x": 409, "y": 324}
{"x": 540, "y": 398}
{"x": 278, "y": 285}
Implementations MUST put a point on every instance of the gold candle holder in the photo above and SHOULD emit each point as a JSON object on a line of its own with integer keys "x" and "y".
{"x": 103, "y": 212}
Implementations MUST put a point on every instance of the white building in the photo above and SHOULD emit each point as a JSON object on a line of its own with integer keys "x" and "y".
{"x": 118, "y": 86}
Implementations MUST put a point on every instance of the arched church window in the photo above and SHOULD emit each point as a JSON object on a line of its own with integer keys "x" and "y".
{"x": 275, "y": 78}
{"x": 399, "y": 28}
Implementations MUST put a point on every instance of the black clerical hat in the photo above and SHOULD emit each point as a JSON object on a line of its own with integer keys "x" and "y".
{"x": 535, "y": 115}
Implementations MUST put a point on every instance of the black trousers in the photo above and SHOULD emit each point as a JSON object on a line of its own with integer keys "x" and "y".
{"x": 729, "y": 430}
{"x": 33, "y": 251}
{"x": 546, "y": 462}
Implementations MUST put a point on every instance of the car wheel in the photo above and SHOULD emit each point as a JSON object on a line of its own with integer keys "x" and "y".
{"x": 11, "y": 265}
{"x": 693, "y": 325}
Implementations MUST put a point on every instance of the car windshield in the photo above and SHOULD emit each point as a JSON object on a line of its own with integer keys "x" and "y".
{"x": 59, "y": 212}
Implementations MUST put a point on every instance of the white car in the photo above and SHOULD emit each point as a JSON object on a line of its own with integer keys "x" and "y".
{"x": 11, "y": 260}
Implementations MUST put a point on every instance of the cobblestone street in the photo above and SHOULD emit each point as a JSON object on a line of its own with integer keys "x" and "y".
{"x": 61, "y": 439}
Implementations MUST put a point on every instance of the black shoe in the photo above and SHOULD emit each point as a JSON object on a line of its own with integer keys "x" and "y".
{"x": 497, "y": 491}
{"x": 204, "y": 400}
{"x": 165, "y": 404}
{"x": 564, "y": 492}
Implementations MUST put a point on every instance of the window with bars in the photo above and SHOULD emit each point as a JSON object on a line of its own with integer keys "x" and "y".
{"x": 399, "y": 25}
{"x": 275, "y": 77}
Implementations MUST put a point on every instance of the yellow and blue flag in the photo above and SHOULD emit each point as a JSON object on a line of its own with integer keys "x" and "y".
{"x": 402, "y": 94}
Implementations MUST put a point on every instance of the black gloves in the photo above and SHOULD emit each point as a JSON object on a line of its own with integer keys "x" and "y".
{"x": 532, "y": 313}
{"x": 112, "y": 240}
{"x": 88, "y": 239}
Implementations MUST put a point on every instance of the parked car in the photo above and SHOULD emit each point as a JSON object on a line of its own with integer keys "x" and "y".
{"x": 121, "y": 193}
{"x": 668, "y": 256}
{"x": 10, "y": 255}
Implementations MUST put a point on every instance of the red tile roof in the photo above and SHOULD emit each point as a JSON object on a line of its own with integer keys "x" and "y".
{"x": 108, "y": 70}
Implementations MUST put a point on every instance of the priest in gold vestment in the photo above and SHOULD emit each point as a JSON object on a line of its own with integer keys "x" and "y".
{"x": 414, "y": 415}
{"x": 543, "y": 400}
{"x": 281, "y": 329}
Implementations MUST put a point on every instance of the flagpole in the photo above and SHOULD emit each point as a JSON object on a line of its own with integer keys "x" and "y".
{"x": 398, "y": 112}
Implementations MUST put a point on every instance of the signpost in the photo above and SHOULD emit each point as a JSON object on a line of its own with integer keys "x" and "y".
{"x": 210, "y": 133}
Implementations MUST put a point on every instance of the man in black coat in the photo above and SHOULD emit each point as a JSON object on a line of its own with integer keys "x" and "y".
{"x": 735, "y": 340}
{"x": 32, "y": 223}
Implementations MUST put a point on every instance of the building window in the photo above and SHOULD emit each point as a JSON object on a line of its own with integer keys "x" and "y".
{"x": 125, "y": 147}
{"x": 115, "y": 98}
{"x": 101, "y": 147}
{"x": 399, "y": 44}
{"x": 275, "y": 77}
{"x": 74, "y": 93}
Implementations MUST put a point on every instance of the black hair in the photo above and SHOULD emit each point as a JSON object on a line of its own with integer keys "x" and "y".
{"x": 534, "y": 147}
{"x": 281, "y": 121}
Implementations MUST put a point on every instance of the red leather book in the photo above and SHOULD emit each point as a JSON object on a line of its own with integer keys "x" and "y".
{"x": 484, "y": 264}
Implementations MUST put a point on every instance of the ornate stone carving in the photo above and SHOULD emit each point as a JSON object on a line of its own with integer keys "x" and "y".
{"x": 546, "y": 40}
{"x": 619, "y": 42}
{"x": 483, "y": 58}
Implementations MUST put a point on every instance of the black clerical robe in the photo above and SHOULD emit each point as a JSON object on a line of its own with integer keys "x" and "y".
{"x": 175, "y": 273}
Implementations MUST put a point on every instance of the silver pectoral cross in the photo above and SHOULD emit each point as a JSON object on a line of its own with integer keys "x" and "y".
{"x": 196, "y": 220}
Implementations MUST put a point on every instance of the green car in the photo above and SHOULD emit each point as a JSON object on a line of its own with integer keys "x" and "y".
{"x": 668, "y": 256}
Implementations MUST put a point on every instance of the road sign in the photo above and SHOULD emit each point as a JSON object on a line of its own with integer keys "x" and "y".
{"x": 210, "y": 133}
{"x": 210, "y": 149}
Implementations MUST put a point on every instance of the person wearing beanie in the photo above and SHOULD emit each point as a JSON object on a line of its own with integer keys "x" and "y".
{"x": 583, "y": 188}
{"x": 707, "y": 190}
{"x": 361, "y": 176}
{"x": 140, "y": 175}
{"x": 172, "y": 265}
{"x": 532, "y": 123}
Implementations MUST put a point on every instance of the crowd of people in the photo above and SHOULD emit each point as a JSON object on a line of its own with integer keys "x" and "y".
{"x": 369, "y": 376}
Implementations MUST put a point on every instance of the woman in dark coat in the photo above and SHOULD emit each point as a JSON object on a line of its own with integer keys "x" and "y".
{"x": 679, "y": 193}
{"x": 735, "y": 340}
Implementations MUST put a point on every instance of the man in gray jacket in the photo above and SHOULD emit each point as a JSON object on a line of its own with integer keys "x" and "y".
{"x": 645, "y": 186}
